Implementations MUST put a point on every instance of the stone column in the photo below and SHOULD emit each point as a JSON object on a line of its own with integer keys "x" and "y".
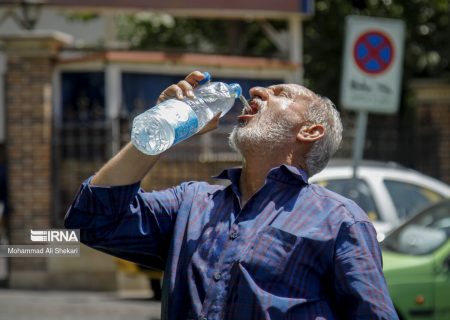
{"x": 30, "y": 65}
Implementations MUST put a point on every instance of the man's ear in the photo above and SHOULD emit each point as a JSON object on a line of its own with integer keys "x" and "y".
{"x": 311, "y": 133}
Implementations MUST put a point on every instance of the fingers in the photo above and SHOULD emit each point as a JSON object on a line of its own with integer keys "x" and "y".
{"x": 171, "y": 92}
{"x": 184, "y": 88}
{"x": 187, "y": 88}
{"x": 211, "y": 125}
{"x": 194, "y": 77}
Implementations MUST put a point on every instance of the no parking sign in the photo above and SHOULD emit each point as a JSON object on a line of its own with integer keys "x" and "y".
{"x": 372, "y": 60}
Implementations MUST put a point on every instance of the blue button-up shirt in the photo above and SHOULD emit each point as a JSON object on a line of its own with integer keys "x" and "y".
{"x": 293, "y": 251}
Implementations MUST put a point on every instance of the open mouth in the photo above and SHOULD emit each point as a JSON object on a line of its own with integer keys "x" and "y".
{"x": 249, "y": 111}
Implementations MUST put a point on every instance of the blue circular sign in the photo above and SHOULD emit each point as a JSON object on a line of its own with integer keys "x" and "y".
{"x": 373, "y": 52}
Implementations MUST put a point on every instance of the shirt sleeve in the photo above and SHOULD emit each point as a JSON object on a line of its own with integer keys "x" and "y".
{"x": 361, "y": 290}
{"x": 125, "y": 221}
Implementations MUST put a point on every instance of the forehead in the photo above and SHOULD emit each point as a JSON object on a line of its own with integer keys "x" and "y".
{"x": 293, "y": 91}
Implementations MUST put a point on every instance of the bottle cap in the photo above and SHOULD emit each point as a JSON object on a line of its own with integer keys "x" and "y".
{"x": 236, "y": 88}
{"x": 206, "y": 78}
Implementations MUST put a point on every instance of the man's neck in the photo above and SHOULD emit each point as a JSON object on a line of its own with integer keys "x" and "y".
{"x": 254, "y": 173}
{"x": 251, "y": 180}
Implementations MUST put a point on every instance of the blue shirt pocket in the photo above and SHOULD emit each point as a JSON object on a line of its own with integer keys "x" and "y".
{"x": 269, "y": 253}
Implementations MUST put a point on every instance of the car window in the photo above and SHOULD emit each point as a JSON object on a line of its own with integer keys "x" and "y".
{"x": 409, "y": 198}
{"x": 356, "y": 190}
{"x": 423, "y": 234}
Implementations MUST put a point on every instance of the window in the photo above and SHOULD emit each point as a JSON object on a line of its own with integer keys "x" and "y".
{"x": 356, "y": 190}
{"x": 82, "y": 136}
{"x": 424, "y": 234}
{"x": 83, "y": 97}
{"x": 409, "y": 198}
{"x": 83, "y": 131}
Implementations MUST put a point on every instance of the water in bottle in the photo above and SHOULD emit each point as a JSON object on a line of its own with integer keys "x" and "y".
{"x": 173, "y": 120}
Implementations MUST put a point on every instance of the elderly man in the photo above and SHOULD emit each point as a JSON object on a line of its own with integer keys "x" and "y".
{"x": 269, "y": 245}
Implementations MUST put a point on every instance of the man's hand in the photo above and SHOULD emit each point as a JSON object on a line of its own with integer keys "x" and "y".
{"x": 213, "y": 124}
{"x": 130, "y": 165}
{"x": 185, "y": 88}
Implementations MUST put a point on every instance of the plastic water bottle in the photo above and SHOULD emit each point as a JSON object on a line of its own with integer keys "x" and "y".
{"x": 173, "y": 120}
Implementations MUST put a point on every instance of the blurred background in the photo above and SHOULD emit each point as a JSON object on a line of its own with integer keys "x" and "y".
{"x": 73, "y": 74}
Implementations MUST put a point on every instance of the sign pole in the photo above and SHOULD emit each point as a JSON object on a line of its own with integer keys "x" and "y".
{"x": 359, "y": 140}
{"x": 296, "y": 47}
{"x": 372, "y": 68}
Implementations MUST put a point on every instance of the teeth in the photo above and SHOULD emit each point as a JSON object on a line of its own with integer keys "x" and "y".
{"x": 257, "y": 104}
{"x": 254, "y": 106}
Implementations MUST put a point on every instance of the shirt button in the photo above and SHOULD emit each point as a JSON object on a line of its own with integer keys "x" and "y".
{"x": 234, "y": 235}
{"x": 217, "y": 276}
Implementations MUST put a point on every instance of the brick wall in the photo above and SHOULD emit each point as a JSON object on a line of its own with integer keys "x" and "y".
{"x": 28, "y": 101}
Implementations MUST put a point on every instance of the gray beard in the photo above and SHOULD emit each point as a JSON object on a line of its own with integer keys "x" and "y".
{"x": 262, "y": 135}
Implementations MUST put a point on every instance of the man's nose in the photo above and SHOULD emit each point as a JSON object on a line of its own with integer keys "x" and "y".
{"x": 261, "y": 92}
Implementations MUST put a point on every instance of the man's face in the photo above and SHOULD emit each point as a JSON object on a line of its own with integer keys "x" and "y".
{"x": 272, "y": 119}
{"x": 276, "y": 102}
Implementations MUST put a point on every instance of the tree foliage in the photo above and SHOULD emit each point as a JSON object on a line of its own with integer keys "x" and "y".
{"x": 427, "y": 47}
{"x": 160, "y": 31}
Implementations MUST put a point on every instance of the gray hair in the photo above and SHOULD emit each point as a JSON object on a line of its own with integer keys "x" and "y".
{"x": 321, "y": 110}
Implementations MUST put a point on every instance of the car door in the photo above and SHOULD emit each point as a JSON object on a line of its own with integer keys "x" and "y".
{"x": 440, "y": 220}
{"x": 442, "y": 283}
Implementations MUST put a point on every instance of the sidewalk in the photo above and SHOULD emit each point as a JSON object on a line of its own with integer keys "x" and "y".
{"x": 74, "y": 305}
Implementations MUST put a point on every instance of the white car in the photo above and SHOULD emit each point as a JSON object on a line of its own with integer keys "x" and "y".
{"x": 387, "y": 192}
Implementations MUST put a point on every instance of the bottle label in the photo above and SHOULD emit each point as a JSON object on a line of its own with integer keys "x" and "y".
{"x": 181, "y": 117}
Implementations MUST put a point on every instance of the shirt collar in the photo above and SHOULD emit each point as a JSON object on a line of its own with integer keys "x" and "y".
{"x": 285, "y": 173}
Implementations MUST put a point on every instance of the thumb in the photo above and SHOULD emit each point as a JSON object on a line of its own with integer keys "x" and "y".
{"x": 211, "y": 125}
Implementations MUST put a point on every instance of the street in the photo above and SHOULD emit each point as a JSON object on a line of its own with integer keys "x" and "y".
{"x": 70, "y": 305}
